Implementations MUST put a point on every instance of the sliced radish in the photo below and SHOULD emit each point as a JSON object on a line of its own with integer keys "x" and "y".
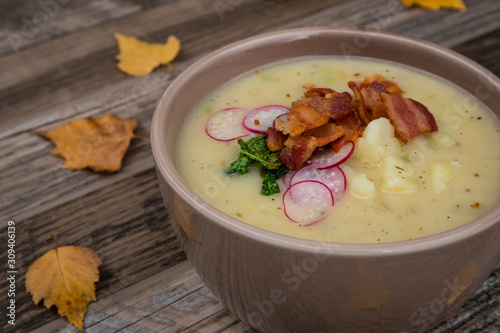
{"x": 286, "y": 178}
{"x": 282, "y": 117}
{"x": 307, "y": 202}
{"x": 260, "y": 119}
{"x": 226, "y": 124}
{"x": 333, "y": 178}
{"x": 330, "y": 159}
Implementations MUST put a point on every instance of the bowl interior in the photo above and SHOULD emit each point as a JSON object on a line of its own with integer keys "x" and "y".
{"x": 233, "y": 61}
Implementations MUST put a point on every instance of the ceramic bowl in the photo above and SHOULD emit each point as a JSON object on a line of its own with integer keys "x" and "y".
{"x": 278, "y": 283}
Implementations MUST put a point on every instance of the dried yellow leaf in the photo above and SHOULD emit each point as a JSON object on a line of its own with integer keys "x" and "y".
{"x": 436, "y": 4}
{"x": 139, "y": 58}
{"x": 98, "y": 144}
{"x": 65, "y": 277}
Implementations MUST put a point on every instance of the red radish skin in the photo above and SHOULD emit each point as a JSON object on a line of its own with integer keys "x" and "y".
{"x": 330, "y": 159}
{"x": 287, "y": 177}
{"x": 307, "y": 202}
{"x": 282, "y": 117}
{"x": 226, "y": 124}
{"x": 324, "y": 171}
{"x": 260, "y": 119}
{"x": 333, "y": 178}
{"x": 311, "y": 190}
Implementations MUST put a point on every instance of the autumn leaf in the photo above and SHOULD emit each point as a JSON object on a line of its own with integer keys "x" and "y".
{"x": 98, "y": 144}
{"x": 436, "y": 4}
{"x": 65, "y": 277}
{"x": 139, "y": 58}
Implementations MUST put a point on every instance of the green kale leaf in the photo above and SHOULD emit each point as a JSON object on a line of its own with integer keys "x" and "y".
{"x": 269, "y": 184}
{"x": 241, "y": 165}
{"x": 255, "y": 150}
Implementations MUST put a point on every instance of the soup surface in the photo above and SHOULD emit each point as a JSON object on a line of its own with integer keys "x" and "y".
{"x": 451, "y": 176}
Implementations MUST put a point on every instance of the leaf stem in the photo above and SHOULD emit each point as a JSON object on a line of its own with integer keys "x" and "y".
{"x": 55, "y": 241}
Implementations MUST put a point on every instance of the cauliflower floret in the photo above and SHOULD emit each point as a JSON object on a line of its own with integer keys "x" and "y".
{"x": 358, "y": 184}
{"x": 441, "y": 176}
{"x": 397, "y": 176}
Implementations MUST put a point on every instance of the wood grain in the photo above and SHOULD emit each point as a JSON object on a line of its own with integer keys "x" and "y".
{"x": 66, "y": 71}
{"x": 29, "y": 23}
{"x": 26, "y": 195}
{"x": 84, "y": 62}
{"x": 485, "y": 50}
{"x": 130, "y": 252}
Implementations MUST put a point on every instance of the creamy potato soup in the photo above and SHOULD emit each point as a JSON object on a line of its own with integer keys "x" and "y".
{"x": 435, "y": 182}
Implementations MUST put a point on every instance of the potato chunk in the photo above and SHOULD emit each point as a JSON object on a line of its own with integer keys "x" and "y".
{"x": 365, "y": 155}
{"x": 378, "y": 140}
{"x": 441, "y": 176}
{"x": 358, "y": 184}
{"x": 441, "y": 140}
{"x": 379, "y": 134}
{"x": 397, "y": 176}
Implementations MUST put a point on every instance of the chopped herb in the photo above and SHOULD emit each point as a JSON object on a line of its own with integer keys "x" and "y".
{"x": 240, "y": 165}
{"x": 253, "y": 151}
{"x": 256, "y": 149}
{"x": 269, "y": 185}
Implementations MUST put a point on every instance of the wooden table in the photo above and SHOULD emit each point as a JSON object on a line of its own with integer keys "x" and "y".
{"x": 57, "y": 63}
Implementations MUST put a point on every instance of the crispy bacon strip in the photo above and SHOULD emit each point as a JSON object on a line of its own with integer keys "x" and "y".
{"x": 326, "y": 117}
{"x": 293, "y": 157}
{"x": 376, "y": 86}
{"x": 327, "y": 133}
{"x": 275, "y": 139}
{"x": 360, "y": 105}
{"x": 321, "y": 92}
{"x": 353, "y": 129}
{"x": 409, "y": 117}
{"x": 334, "y": 105}
{"x": 301, "y": 118}
{"x": 380, "y": 83}
{"x": 373, "y": 103}
{"x": 298, "y": 149}
{"x": 323, "y": 134}
{"x": 299, "y": 102}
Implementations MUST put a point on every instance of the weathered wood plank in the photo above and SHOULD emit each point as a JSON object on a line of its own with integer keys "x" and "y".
{"x": 75, "y": 71}
{"x": 222, "y": 321}
{"x": 25, "y": 24}
{"x": 167, "y": 302}
{"x": 32, "y": 22}
{"x": 85, "y": 61}
{"x": 84, "y": 64}
{"x": 146, "y": 309}
{"x": 26, "y": 193}
{"x": 485, "y": 50}
{"x": 125, "y": 223}
{"x": 171, "y": 284}
{"x": 447, "y": 28}
{"x": 122, "y": 94}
